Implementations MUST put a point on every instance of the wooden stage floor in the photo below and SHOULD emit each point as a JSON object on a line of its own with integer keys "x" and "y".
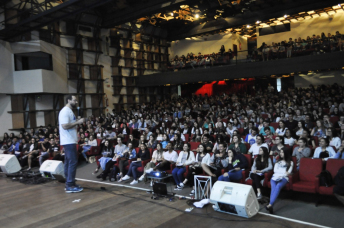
{"x": 47, "y": 205}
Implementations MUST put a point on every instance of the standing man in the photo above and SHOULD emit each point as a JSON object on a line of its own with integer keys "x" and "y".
{"x": 68, "y": 139}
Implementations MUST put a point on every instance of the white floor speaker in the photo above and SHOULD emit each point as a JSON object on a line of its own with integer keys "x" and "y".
{"x": 235, "y": 199}
{"x": 51, "y": 167}
{"x": 9, "y": 163}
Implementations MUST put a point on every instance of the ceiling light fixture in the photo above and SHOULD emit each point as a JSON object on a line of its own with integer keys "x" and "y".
{"x": 197, "y": 16}
{"x": 172, "y": 14}
{"x": 285, "y": 16}
{"x": 258, "y": 22}
{"x": 248, "y": 26}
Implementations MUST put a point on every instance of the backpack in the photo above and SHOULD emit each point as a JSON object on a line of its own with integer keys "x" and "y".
{"x": 325, "y": 178}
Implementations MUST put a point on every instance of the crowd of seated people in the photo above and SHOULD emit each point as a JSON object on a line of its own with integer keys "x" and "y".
{"x": 214, "y": 135}
{"x": 315, "y": 44}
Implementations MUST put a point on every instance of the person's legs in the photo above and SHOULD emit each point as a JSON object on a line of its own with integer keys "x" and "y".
{"x": 121, "y": 165}
{"x": 130, "y": 169}
{"x": 180, "y": 174}
{"x": 235, "y": 176}
{"x": 275, "y": 189}
{"x": 134, "y": 169}
{"x": 223, "y": 178}
{"x": 72, "y": 158}
{"x": 108, "y": 167}
{"x": 43, "y": 157}
{"x": 31, "y": 156}
{"x": 175, "y": 176}
{"x": 84, "y": 154}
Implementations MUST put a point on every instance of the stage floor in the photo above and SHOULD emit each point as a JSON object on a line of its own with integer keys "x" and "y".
{"x": 122, "y": 205}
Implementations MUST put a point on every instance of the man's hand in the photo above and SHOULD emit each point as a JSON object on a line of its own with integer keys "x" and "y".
{"x": 81, "y": 121}
{"x": 237, "y": 169}
{"x": 225, "y": 174}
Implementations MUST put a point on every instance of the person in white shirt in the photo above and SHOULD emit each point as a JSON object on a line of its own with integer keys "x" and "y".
{"x": 169, "y": 157}
{"x": 288, "y": 140}
{"x": 335, "y": 141}
{"x": 281, "y": 130}
{"x": 68, "y": 139}
{"x": 324, "y": 151}
{"x": 283, "y": 168}
{"x": 254, "y": 149}
{"x": 230, "y": 129}
{"x": 87, "y": 146}
{"x": 186, "y": 157}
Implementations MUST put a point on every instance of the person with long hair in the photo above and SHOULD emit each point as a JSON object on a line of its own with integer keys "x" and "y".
{"x": 281, "y": 129}
{"x": 128, "y": 154}
{"x": 262, "y": 164}
{"x": 331, "y": 134}
{"x": 237, "y": 146}
{"x": 319, "y": 129}
{"x": 165, "y": 140}
{"x": 178, "y": 142}
{"x": 142, "y": 155}
{"x": 282, "y": 169}
{"x": 236, "y": 162}
{"x": 157, "y": 157}
{"x": 186, "y": 157}
{"x": 277, "y": 147}
{"x": 196, "y": 167}
{"x": 107, "y": 154}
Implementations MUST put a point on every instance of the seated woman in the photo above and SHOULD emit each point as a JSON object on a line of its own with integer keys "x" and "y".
{"x": 262, "y": 164}
{"x": 333, "y": 139}
{"x": 157, "y": 157}
{"x": 151, "y": 142}
{"x": 87, "y": 146}
{"x": 107, "y": 154}
{"x": 319, "y": 130}
{"x": 236, "y": 162}
{"x": 324, "y": 151}
{"x": 118, "y": 152}
{"x": 276, "y": 148}
{"x": 178, "y": 142}
{"x": 283, "y": 168}
{"x": 186, "y": 157}
{"x": 169, "y": 157}
{"x": 288, "y": 139}
{"x": 237, "y": 146}
{"x": 196, "y": 167}
{"x": 142, "y": 155}
{"x": 340, "y": 152}
{"x": 213, "y": 165}
{"x": 128, "y": 154}
{"x": 281, "y": 130}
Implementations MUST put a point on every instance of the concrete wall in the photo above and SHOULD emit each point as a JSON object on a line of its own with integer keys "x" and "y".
{"x": 321, "y": 78}
{"x": 307, "y": 27}
{"x": 208, "y": 45}
{"x": 5, "y": 118}
{"x": 7, "y": 68}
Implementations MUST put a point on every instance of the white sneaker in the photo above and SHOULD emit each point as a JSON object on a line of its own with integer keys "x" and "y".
{"x": 181, "y": 185}
{"x": 126, "y": 177}
{"x": 134, "y": 182}
{"x": 141, "y": 178}
{"x": 151, "y": 183}
{"x": 149, "y": 170}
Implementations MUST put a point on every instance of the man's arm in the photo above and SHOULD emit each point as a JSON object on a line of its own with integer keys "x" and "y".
{"x": 72, "y": 125}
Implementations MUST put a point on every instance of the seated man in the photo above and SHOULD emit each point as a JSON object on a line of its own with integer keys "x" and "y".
{"x": 266, "y": 124}
{"x": 251, "y": 138}
{"x": 208, "y": 144}
{"x": 254, "y": 149}
{"x": 301, "y": 151}
{"x": 44, "y": 153}
{"x": 29, "y": 154}
{"x": 53, "y": 148}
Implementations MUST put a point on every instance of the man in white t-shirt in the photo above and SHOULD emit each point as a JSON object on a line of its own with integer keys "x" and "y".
{"x": 69, "y": 139}
{"x": 254, "y": 149}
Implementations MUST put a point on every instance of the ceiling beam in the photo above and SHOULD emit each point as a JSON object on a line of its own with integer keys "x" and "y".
{"x": 251, "y": 17}
{"x": 140, "y": 9}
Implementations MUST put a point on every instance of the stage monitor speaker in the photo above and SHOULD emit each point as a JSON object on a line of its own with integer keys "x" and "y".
{"x": 9, "y": 163}
{"x": 235, "y": 199}
{"x": 51, "y": 167}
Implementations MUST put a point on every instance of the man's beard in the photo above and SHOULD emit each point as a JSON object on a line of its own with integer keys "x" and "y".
{"x": 73, "y": 105}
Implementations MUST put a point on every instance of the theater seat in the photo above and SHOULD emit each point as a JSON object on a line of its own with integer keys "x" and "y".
{"x": 332, "y": 165}
{"x": 194, "y": 145}
{"x": 306, "y": 179}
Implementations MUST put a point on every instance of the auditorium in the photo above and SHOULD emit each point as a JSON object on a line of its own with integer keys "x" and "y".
{"x": 171, "y": 113}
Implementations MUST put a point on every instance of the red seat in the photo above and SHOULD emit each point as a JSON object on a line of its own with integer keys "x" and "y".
{"x": 186, "y": 137}
{"x": 95, "y": 150}
{"x": 274, "y": 125}
{"x": 306, "y": 179}
{"x": 332, "y": 165}
{"x": 99, "y": 141}
{"x": 264, "y": 116}
{"x": 194, "y": 145}
{"x": 241, "y": 131}
{"x": 334, "y": 119}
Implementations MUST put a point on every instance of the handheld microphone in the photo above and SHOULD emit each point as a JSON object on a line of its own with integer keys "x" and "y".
{"x": 78, "y": 111}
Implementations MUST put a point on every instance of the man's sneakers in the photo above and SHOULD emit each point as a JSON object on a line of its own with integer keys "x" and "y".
{"x": 142, "y": 177}
{"x": 126, "y": 177}
{"x": 192, "y": 192}
{"x": 73, "y": 189}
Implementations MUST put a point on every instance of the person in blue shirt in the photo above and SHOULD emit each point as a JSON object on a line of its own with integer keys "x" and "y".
{"x": 340, "y": 153}
{"x": 266, "y": 124}
{"x": 165, "y": 140}
{"x": 15, "y": 147}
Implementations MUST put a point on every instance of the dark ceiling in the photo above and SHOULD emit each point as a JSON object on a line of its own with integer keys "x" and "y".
{"x": 180, "y": 18}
